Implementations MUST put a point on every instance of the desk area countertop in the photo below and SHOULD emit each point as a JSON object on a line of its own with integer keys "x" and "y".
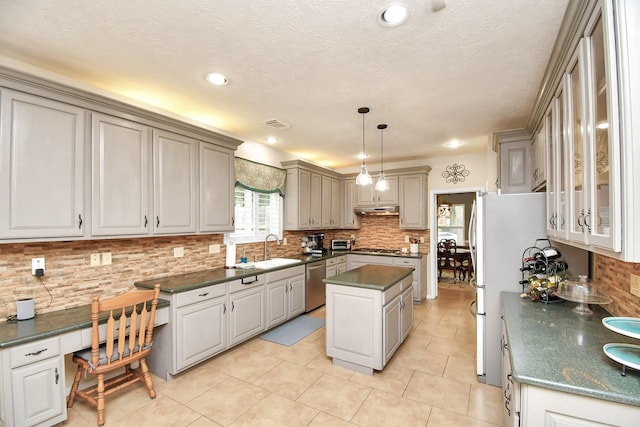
{"x": 49, "y": 324}
{"x": 376, "y": 277}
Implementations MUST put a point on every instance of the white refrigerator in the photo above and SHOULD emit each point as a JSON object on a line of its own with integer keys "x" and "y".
{"x": 502, "y": 227}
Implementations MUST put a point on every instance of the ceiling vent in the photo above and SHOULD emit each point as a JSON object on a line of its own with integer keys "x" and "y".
{"x": 275, "y": 123}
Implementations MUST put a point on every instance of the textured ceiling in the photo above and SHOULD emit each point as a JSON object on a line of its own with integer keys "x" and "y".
{"x": 463, "y": 72}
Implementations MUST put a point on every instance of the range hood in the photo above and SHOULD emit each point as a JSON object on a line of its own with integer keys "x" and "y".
{"x": 377, "y": 210}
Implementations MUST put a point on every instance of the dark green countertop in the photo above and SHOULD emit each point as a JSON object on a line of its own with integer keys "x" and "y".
{"x": 377, "y": 277}
{"x": 555, "y": 348}
{"x": 50, "y": 324}
{"x": 190, "y": 281}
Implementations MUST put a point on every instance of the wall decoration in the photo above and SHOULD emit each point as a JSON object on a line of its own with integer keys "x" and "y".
{"x": 455, "y": 173}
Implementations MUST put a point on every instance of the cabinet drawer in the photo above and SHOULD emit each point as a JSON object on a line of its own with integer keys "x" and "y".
{"x": 284, "y": 274}
{"x": 392, "y": 292}
{"x": 201, "y": 294}
{"x": 246, "y": 283}
{"x": 406, "y": 262}
{"x": 35, "y": 351}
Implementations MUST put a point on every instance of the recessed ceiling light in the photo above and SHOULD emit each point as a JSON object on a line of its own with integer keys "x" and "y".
{"x": 454, "y": 143}
{"x": 217, "y": 79}
{"x": 272, "y": 140}
{"x": 393, "y": 15}
{"x": 362, "y": 156}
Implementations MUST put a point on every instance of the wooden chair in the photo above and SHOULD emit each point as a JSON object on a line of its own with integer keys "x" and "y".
{"x": 127, "y": 339}
{"x": 447, "y": 259}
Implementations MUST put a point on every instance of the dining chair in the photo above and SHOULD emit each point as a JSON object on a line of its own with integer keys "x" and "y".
{"x": 447, "y": 258}
{"x": 127, "y": 338}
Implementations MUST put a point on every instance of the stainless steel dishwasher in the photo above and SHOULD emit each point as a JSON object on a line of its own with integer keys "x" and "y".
{"x": 315, "y": 295}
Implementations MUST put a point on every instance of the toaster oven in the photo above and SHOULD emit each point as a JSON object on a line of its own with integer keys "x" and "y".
{"x": 340, "y": 245}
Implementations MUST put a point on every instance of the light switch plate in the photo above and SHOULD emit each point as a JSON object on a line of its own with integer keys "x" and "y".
{"x": 106, "y": 258}
{"x": 95, "y": 260}
{"x": 635, "y": 285}
{"x": 406, "y": 239}
{"x": 178, "y": 252}
{"x": 421, "y": 239}
{"x": 214, "y": 249}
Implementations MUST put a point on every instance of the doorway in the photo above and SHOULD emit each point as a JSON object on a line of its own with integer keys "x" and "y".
{"x": 449, "y": 218}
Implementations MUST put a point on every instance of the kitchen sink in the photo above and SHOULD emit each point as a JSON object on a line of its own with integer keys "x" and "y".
{"x": 274, "y": 262}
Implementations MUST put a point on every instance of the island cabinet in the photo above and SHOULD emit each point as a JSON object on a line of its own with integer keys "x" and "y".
{"x": 285, "y": 294}
{"x": 50, "y": 176}
{"x": 369, "y": 313}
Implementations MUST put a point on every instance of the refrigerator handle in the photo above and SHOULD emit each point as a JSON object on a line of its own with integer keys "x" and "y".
{"x": 472, "y": 241}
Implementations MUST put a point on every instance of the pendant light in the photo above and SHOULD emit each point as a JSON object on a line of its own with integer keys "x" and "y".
{"x": 363, "y": 178}
{"x": 382, "y": 184}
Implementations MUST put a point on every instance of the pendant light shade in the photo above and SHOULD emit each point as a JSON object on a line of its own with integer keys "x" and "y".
{"x": 382, "y": 184}
{"x": 363, "y": 178}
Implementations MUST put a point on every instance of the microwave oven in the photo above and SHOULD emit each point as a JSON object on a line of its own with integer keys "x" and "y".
{"x": 340, "y": 245}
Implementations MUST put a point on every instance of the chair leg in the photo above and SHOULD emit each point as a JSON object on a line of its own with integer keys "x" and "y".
{"x": 74, "y": 387}
{"x": 100, "y": 399}
{"x": 147, "y": 378}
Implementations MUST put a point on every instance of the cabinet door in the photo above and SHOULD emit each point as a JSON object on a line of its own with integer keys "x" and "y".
{"x": 365, "y": 195}
{"x": 406, "y": 305}
{"x": 413, "y": 202}
{"x": 604, "y": 220}
{"x": 277, "y": 294}
{"x": 391, "y": 328}
{"x": 174, "y": 179}
{"x": 121, "y": 177}
{"x": 335, "y": 203}
{"x": 514, "y": 166}
{"x": 304, "y": 199}
{"x": 195, "y": 343}
{"x": 348, "y": 217}
{"x": 246, "y": 317}
{"x": 326, "y": 202}
{"x": 38, "y": 393}
{"x": 296, "y": 295}
{"x": 41, "y": 167}
{"x": 216, "y": 188}
{"x": 341, "y": 267}
{"x": 315, "y": 200}
{"x": 390, "y": 196}
{"x": 552, "y": 166}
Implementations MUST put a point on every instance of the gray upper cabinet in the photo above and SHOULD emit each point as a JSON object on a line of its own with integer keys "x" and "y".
{"x": 413, "y": 201}
{"x": 348, "y": 217}
{"x": 41, "y": 167}
{"x": 216, "y": 188}
{"x": 368, "y": 196}
{"x": 330, "y": 202}
{"x": 514, "y": 161}
{"x": 174, "y": 183}
{"x": 120, "y": 177}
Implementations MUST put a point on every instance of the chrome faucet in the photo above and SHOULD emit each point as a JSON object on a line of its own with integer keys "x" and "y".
{"x": 266, "y": 239}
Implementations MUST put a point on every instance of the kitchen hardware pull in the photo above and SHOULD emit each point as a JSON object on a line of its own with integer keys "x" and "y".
{"x": 586, "y": 217}
{"x": 224, "y": 308}
{"x": 203, "y": 295}
{"x": 57, "y": 375}
{"x": 157, "y": 221}
{"x": 255, "y": 279}
{"x": 146, "y": 221}
{"x": 79, "y": 221}
{"x": 233, "y": 306}
{"x": 35, "y": 353}
{"x": 506, "y": 405}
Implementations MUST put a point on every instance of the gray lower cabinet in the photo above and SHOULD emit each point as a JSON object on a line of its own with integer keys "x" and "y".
{"x": 33, "y": 394}
{"x": 41, "y": 166}
{"x": 246, "y": 309}
{"x": 285, "y": 295}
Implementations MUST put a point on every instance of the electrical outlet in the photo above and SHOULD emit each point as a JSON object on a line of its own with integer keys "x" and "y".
{"x": 635, "y": 284}
{"x": 421, "y": 239}
{"x": 214, "y": 249}
{"x": 353, "y": 236}
{"x": 178, "y": 252}
{"x": 37, "y": 263}
{"x": 284, "y": 241}
{"x": 406, "y": 239}
{"x": 106, "y": 258}
{"x": 95, "y": 260}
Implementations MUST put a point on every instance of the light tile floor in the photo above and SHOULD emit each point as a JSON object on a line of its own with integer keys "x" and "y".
{"x": 430, "y": 382}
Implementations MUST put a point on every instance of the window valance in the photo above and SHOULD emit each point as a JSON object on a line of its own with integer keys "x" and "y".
{"x": 259, "y": 177}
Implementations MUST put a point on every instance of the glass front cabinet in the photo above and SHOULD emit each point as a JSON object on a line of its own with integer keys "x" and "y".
{"x": 590, "y": 155}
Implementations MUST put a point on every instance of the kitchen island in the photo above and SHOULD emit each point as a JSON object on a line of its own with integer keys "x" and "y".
{"x": 369, "y": 313}
{"x": 554, "y": 367}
